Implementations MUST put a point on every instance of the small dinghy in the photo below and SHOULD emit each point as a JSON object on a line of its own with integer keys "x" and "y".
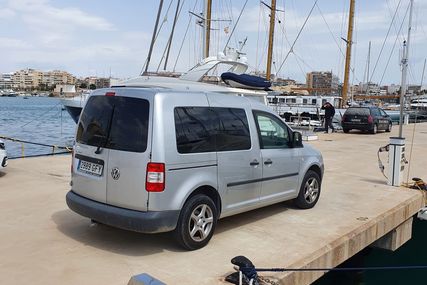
{"x": 245, "y": 81}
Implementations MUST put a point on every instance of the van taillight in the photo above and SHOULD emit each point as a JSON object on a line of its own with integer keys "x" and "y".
{"x": 343, "y": 118}
{"x": 370, "y": 119}
{"x": 155, "y": 180}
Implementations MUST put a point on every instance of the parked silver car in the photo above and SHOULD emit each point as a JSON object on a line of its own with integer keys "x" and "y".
{"x": 150, "y": 160}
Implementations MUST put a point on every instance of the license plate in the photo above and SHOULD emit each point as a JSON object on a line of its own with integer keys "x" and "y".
{"x": 90, "y": 168}
{"x": 355, "y": 120}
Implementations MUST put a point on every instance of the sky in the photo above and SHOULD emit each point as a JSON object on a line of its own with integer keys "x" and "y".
{"x": 105, "y": 37}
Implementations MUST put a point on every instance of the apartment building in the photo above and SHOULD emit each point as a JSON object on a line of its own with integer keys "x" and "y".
{"x": 6, "y": 81}
{"x": 322, "y": 83}
{"x": 30, "y": 79}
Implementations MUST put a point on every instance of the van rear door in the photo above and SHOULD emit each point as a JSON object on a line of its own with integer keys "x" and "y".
{"x": 129, "y": 150}
{"x": 90, "y": 160}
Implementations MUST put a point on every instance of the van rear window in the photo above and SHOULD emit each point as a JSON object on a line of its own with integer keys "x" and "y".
{"x": 119, "y": 123}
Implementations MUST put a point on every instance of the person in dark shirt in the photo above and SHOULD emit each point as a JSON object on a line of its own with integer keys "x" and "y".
{"x": 329, "y": 114}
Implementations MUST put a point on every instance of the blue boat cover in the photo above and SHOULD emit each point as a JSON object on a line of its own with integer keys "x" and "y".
{"x": 251, "y": 81}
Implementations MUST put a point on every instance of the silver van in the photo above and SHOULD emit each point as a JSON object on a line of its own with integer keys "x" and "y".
{"x": 153, "y": 160}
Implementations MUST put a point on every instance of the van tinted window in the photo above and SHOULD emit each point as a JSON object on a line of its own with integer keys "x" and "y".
{"x": 205, "y": 129}
{"x": 119, "y": 123}
{"x": 196, "y": 129}
{"x": 234, "y": 130}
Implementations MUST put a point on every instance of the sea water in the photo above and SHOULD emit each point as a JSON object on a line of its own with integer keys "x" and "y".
{"x": 413, "y": 252}
{"x": 36, "y": 119}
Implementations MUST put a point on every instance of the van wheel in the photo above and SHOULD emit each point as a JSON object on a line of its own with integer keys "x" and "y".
{"x": 390, "y": 125}
{"x": 374, "y": 129}
{"x": 196, "y": 223}
{"x": 346, "y": 130}
{"x": 309, "y": 192}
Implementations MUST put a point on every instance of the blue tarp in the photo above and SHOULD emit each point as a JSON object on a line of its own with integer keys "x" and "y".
{"x": 249, "y": 80}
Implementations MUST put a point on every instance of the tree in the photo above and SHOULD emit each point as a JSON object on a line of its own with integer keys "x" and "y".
{"x": 83, "y": 85}
{"x": 92, "y": 86}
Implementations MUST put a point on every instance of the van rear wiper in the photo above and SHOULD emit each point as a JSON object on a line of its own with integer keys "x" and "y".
{"x": 101, "y": 141}
{"x": 107, "y": 137}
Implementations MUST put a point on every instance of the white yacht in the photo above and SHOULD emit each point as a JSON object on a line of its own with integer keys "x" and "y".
{"x": 189, "y": 81}
{"x": 420, "y": 104}
{"x": 308, "y": 106}
{"x": 74, "y": 105}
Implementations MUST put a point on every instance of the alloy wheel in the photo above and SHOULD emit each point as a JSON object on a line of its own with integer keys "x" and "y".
{"x": 311, "y": 190}
{"x": 201, "y": 222}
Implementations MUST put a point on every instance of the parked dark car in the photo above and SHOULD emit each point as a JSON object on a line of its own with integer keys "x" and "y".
{"x": 369, "y": 118}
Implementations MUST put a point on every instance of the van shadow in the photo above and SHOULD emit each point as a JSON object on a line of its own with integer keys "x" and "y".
{"x": 2, "y": 174}
{"x": 254, "y": 216}
{"x": 112, "y": 239}
{"x": 137, "y": 244}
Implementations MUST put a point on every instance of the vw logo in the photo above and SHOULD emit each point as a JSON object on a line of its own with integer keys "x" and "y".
{"x": 115, "y": 173}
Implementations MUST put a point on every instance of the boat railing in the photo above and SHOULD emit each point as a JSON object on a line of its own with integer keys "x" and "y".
{"x": 303, "y": 122}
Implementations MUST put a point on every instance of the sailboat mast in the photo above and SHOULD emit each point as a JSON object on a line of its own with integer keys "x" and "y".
{"x": 271, "y": 38}
{"x": 405, "y": 69}
{"x": 348, "y": 53}
{"x": 207, "y": 26}
{"x": 367, "y": 73}
{"x": 369, "y": 62}
{"x": 171, "y": 35}
{"x": 153, "y": 38}
{"x": 422, "y": 74}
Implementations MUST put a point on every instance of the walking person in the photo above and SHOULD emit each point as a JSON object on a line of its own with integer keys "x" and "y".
{"x": 329, "y": 115}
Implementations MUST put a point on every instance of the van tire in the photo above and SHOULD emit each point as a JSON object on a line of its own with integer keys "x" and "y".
{"x": 202, "y": 207}
{"x": 345, "y": 130}
{"x": 390, "y": 125}
{"x": 309, "y": 192}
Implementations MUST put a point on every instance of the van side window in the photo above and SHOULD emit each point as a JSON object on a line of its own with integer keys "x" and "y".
{"x": 234, "y": 130}
{"x": 271, "y": 131}
{"x": 196, "y": 129}
{"x": 206, "y": 129}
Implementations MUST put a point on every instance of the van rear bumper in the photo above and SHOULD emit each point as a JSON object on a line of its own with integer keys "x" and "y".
{"x": 137, "y": 221}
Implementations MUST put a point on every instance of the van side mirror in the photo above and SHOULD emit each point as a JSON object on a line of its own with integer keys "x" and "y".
{"x": 296, "y": 139}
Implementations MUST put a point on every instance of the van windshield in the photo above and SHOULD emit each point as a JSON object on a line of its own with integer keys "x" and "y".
{"x": 114, "y": 122}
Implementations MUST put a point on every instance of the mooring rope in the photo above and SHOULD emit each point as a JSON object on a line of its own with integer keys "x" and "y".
{"x": 67, "y": 149}
{"x": 404, "y": 267}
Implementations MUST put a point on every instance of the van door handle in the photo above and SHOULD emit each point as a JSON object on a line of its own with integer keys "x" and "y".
{"x": 268, "y": 162}
{"x": 254, "y": 163}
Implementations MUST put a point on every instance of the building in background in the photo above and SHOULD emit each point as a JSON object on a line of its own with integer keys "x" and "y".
{"x": 64, "y": 90}
{"x": 322, "y": 83}
{"x": 284, "y": 82}
{"x": 393, "y": 89}
{"x": 31, "y": 79}
{"x": 94, "y": 82}
{"x": 6, "y": 81}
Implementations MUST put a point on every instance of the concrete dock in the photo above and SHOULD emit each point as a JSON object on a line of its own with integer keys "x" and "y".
{"x": 43, "y": 242}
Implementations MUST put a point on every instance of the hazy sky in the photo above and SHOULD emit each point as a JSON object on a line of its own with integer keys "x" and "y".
{"x": 94, "y": 37}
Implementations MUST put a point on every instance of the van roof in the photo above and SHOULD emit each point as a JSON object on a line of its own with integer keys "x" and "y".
{"x": 159, "y": 90}
{"x": 179, "y": 84}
